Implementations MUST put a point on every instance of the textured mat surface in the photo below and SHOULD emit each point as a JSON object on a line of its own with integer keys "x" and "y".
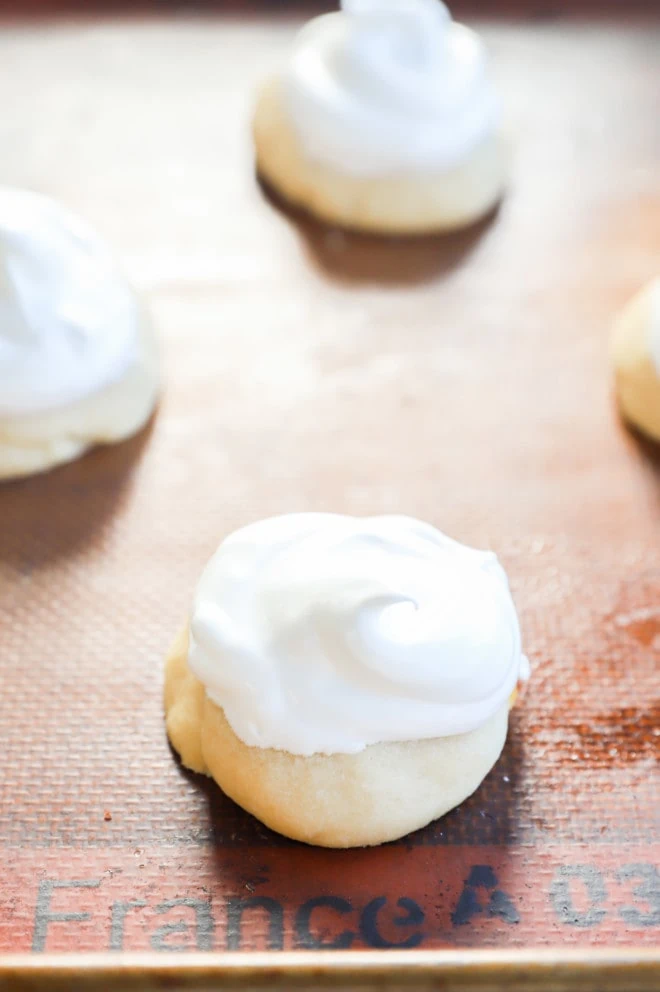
{"x": 464, "y": 381}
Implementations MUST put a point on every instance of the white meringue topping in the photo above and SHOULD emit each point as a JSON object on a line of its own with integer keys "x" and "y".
{"x": 320, "y": 633}
{"x": 385, "y": 86}
{"x": 69, "y": 322}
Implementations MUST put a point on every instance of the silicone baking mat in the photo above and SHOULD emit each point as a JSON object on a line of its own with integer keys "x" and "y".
{"x": 463, "y": 380}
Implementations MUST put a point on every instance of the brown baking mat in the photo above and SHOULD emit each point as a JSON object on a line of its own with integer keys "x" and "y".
{"x": 464, "y": 381}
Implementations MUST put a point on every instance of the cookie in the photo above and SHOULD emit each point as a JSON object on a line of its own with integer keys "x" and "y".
{"x": 635, "y": 356}
{"x": 78, "y": 356}
{"x": 345, "y": 680}
{"x": 384, "y": 119}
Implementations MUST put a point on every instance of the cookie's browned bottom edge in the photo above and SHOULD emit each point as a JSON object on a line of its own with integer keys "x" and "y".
{"x": 621, "y": 970}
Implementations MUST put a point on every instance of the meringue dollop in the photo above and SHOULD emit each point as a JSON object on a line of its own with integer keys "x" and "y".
{"x": 385, "y": 86}
{"x": 69, "y": 321}
{"x": 323, "y": 633}
{"x": 654, "y": 333}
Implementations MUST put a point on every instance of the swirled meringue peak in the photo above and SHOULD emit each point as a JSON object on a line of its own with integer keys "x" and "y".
{"x": 654, "y": 290}
{"x": 385, "y": 86}
{"x": 68, "y": 320}
{"x": 321, "y": 633}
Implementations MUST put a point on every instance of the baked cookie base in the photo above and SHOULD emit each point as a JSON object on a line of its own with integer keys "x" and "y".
{"x": 422, "y": 203}
{"x": 337, "y": 800}
{"x": 38, "y": 442}
{"x": 636, "y": 377}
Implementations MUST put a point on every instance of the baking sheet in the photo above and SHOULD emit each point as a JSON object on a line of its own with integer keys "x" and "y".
{"x": 463, "y": 380}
